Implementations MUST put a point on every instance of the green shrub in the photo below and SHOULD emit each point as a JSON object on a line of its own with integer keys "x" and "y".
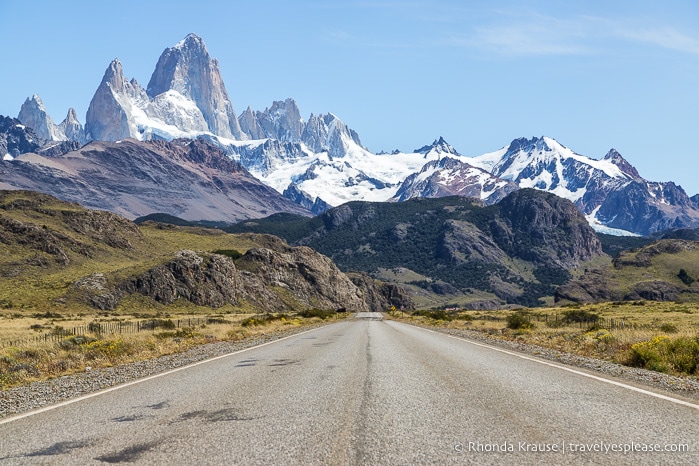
{"x": 519, "y": 320}
{"x": 663, "y": 354}
{"x": 669, "y": 328}
{"x": 164, "y": 323}
{"x": 437, "y": 314}
{"x": 263, "y": 319}
{"x": 685, "y": 277}
{"x": 321, "y": 313}
{"x": 232, "y": 253}
{"x": 580, "y": 315}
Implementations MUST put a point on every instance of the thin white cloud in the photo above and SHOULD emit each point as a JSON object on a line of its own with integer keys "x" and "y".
{"x": 542, "y": 36}
{"x": 534, "y": 34}
{"x": 663, "y": 37}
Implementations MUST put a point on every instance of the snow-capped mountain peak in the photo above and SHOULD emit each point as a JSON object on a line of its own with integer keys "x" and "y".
{"x": 186, "y": 97}
{"x": 615, "y": 157}
{"x": 438, "y": 148}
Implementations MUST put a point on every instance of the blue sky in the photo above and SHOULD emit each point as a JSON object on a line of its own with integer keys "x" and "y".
{"x": 591, "y": 74}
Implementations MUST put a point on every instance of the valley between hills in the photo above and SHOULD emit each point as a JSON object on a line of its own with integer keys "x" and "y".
{"x": 74, "y": 280}
{"x": 171, "y": 214}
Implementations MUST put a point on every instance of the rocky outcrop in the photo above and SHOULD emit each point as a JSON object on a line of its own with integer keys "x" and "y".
{"x": 306, "y": 277}
{"x": 594, "y": 286}
{"x": 642, "y": 257}
{"x": 653, "y": 272}
{"x": 16, "y": 138}
{"x": 545, "y": 229}
{"x": 277, "y": 278}
{"x": 381, "y": 296}
{"x": 654, "y": 290}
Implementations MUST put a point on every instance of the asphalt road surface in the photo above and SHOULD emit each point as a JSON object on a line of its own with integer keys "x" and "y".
{"x": 362, "y": 391}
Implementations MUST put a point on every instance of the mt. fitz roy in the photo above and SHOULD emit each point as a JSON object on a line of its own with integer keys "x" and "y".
{"x": 320, "y": 162}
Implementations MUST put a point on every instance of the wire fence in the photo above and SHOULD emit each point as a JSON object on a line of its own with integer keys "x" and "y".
{"x": 112, "y": 328}
{"x": 555, "y": 320}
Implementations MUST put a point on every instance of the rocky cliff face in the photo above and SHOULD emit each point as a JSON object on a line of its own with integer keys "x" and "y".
{"x": 71, "y": 128}
{"x": 281, "y": 121}
{"x": 185, "y": 97}
{"x": 545, "y": 229}
{"x": 188, "y": 69}
{"x": 33, "y": 114}
{"x": 274, "y": 279}
{"x": 16, "y": 139}
{"x": 110, "y": 116}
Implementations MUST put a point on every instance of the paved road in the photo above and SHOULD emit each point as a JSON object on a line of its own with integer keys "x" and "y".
{"x": 363, "y": 391}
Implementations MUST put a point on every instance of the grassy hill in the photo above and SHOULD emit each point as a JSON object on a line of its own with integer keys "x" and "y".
{"x": 58, "y": 256}
{"x": 665, "y": 270}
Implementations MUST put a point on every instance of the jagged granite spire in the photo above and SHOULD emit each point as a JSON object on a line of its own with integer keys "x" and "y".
{"x": 33, "y": 114}
{"x": 188, "y": 69}
{"x": 72, "y": 128}
{"x": 109, "y": 116}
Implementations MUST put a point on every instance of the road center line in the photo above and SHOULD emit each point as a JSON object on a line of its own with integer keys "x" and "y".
{"x": 145, "y": 379}
{"x": 569, "y": 369}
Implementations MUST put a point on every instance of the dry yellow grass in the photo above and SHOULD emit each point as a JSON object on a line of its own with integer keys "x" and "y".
{"x": 621, "y": 326}
{"x": 31, "y": 361}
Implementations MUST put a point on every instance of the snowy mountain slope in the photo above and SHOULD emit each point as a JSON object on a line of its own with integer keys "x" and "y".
{"x": 610, "y": 192}
{"x": 451, "y": 177}
{"x": 353, "y": 173}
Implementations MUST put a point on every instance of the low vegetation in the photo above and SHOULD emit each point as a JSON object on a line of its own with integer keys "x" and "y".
{"x": 658, "y": 336}
{"x": 32, "y": 356}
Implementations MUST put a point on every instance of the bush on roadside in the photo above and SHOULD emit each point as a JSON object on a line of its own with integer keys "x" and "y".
{"x": 580, "y": 315}
{"x": 263, "y": 319}
{"x": 321, "y": 313}
{"x": 670, "y": 355}
{"x": 519, "y": 320}
{"x": 437, "y": 314}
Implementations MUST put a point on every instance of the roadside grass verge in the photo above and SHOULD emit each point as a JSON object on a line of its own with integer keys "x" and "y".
{"x": 25, "y": 363}
{"x": 663, "y": 337}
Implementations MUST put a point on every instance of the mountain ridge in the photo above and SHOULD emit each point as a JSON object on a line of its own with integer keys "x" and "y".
{"x": 321, "y": 162}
